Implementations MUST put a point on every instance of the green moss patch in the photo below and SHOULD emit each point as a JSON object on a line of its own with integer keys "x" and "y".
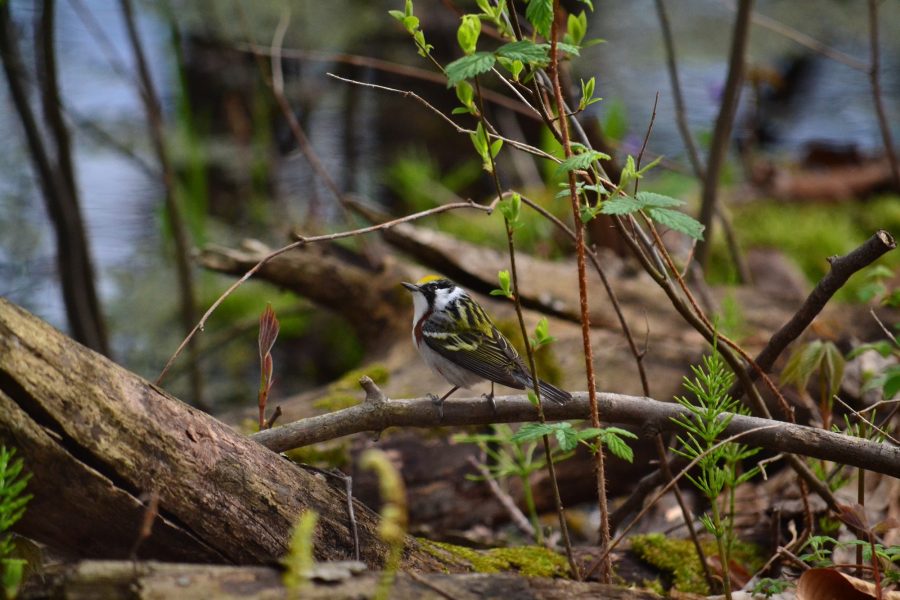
{"x": 531, "y": 561}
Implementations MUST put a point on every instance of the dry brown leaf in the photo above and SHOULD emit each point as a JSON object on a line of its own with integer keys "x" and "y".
{"x": 828, "y": 584}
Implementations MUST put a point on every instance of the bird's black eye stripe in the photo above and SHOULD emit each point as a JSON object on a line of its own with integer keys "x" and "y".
{"x": 454, "y": 310}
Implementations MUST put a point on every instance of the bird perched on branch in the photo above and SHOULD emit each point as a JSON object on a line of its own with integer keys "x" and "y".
{"x": 457, "y": 339}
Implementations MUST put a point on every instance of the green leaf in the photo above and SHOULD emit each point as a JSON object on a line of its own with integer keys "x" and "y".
{"x": 468, "y": 32}
{"x": 532, "y": 397}
{"x": 802, "y": 364}
{"x": 657, "y": 200}
{"x": 568, "y": 48}
{"x": 677, "y": 221}
{"x": 397, "y": 14}
{"x": 540, "y": 14}
{"x": 525, "y": 51}
{"x": 832, "y": 367}
{"x": 576, "y": 28}
{"x": 579, "y": 162}
{"x": 504, "y": 278}
{"x": 511, "y": 208}
{"x": 587, "y": 212}
{"x": 532, "y": 431}
{"x": 622, "y": 205}
{"x": 468, "y": 67}
{"x": 465, "y": 93}
{"x": 411, "y": 23}
{"x": 891, "y": 385}
{"x": 617, "y": 446}
{"x": 566, "y": 436}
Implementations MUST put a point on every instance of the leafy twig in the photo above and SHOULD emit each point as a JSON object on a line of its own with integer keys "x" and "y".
{"x": 606, "y": 568}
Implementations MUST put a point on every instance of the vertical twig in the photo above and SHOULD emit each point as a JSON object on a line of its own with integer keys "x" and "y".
{"x": 551, "y": 468}
{"x": 688, "y": 139}
{"x": 722, "y": 133}
{"x": 180, "y": 234}
{"x": 875, "y": 81}
{"x": 660, "y": 443}
{"x": 606, "y": 566}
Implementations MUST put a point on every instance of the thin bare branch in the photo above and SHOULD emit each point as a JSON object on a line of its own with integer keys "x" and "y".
{"x": 459, "y": 129}
{"x": 310, "y": 240}
{"x": 778, "y": 436}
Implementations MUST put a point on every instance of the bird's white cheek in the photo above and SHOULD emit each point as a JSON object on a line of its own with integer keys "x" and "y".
{"x": 420, "y": 307}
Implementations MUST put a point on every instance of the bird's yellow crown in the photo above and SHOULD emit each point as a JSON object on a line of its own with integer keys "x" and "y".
{"x": 428, "y": 278}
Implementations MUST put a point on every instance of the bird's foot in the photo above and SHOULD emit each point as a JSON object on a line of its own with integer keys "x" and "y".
{"x": 439, "y": 403}
{"x": 490, "y": 398}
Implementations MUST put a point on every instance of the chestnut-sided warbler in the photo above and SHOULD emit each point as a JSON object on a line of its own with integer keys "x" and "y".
{"x": 457, "y": 339}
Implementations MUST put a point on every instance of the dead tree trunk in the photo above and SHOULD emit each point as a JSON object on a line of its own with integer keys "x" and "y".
{"x": 96, "y": 437}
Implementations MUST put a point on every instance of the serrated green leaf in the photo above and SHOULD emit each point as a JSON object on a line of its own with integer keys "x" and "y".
{"x": 657, "y": 200}
{"x": 617, "y": 446}
{"x": 678, "y": 221}
{"x": 623, "y": 205}
{"x": 579, "y": 162}
{"x": 468, "y": 67}
{"x": 525, "y": 51}
{"x": 590, "y": 433}
{"x": 568, "y": 48}
{"x": 532, "y": 431}
{"x": 540, "y": 14}
{"x": 566, "y": 437}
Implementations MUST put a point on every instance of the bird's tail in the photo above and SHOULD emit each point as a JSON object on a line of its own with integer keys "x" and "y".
{"x": 554, "y": 393}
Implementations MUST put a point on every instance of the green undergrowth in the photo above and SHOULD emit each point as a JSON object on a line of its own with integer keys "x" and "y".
{"x": 810, "y": 233}
{"x": 531, "y": 561}
{"x": 678, "y": 559}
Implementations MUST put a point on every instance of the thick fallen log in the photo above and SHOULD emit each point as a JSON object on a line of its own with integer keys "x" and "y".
{"x": 112, "y": 580}
{"x": 96, "y": 438}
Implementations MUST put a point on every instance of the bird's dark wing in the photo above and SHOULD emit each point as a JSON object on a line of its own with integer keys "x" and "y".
{"x": 486, "y": 353}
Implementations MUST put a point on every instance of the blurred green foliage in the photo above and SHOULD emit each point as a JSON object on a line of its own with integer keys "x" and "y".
{"x": 809, "y": 234}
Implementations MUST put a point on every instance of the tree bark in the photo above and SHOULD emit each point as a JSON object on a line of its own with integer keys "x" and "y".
{"x": 96, "y": 437}
{"x": 107, "y": 579}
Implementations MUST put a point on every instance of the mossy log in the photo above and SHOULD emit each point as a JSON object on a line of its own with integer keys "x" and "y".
{"x": 97, "y": 439}
{"x": 112, "y": 580}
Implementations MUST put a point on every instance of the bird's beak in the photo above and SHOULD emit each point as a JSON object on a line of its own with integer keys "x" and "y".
{"x": 410, "y": 286}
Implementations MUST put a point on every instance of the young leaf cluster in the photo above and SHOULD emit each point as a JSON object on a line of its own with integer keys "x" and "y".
{"x": 486, "y": 149}
{"x": 411, "y": 23}
{"x": 657, "y": 207}
{"x": 568, "y": 437}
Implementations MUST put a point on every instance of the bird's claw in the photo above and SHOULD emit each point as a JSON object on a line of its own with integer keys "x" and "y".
{"x": 490, "y": 398}
{"x": 439, "y": 403}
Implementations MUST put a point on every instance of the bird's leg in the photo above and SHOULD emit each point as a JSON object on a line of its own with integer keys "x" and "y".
{"x": 439, "y": 402}
{"x": 490, "y": 398}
